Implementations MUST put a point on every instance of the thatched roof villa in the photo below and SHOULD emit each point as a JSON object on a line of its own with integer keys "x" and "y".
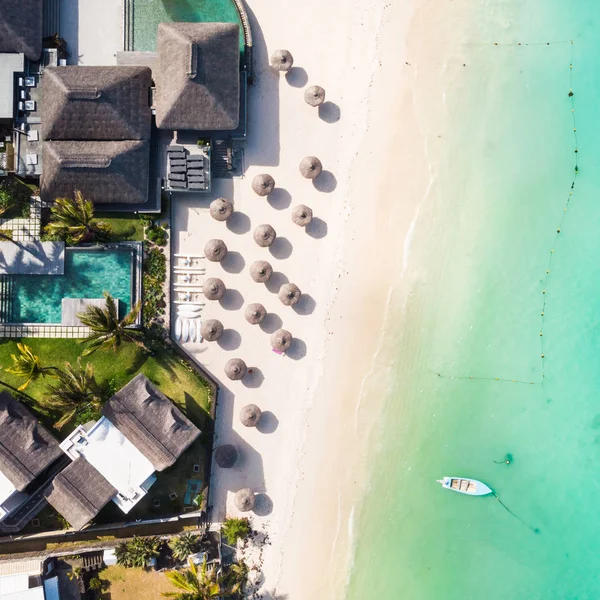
{"x": 141, "y": 432}
{"x": 21, "y": 27}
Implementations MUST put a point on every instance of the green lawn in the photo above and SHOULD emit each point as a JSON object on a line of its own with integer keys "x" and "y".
{"x": 125, "y": 226}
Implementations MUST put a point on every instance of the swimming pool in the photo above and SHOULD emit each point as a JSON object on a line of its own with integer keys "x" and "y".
{"x": 145, "y": 15}
{"x": 88, "y": 273}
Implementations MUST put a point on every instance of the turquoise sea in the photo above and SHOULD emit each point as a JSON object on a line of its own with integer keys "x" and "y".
{"x": 485, "y": 239}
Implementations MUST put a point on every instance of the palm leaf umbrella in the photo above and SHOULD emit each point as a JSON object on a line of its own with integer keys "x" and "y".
{"x": 250, "y": 415}
{"x": 213, "y": 288}
{"x": 255, "y": 313}
{"x": 263, "y": 184}
{"x": 211, "y": 330}
{"x": 261, "y": 271}
{"x": 226, "y": 456}
{"x": 264, "y": 235}
{"x": 235, "y": 368}
{"x": 215, "y": 250}
{"x": 221, "y": 209}
{"x": 282, "y": 60}
{"x": 289, "y": 294}
{"x": 314, "y": 95}
{"x": 244, "y": 500}
{"x": 281, "y": 340}
{"x": 302, "y": 215}
{"x": 310, "y": 167}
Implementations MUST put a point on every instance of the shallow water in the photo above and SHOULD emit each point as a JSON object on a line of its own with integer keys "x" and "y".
{"x": 486, "y": 237}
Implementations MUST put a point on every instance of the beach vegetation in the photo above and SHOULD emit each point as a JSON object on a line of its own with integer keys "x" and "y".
{"x": 154, "y": 275}
{"x": 72, "y": 221}
{"x": 235, "y": 529}
{"x": 197, "y": 583}
{"x": 15, "y": 198}
{"x": 157, "y": 235}
{"x": 27, "y": 364}
{"x": 184, "y": 545}
{"x": 75, "y": 395}
{"x": 108, "y": 331}
{"x": 138, "y": 552}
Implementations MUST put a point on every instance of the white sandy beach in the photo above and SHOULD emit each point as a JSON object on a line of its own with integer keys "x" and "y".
{"x": 307, "y": 460}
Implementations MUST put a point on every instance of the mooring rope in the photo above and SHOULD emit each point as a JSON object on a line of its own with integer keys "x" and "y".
{"x": 533, "y": 529}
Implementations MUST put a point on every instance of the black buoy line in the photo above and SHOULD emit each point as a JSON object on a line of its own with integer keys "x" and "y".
{"x": 546, "y": 278}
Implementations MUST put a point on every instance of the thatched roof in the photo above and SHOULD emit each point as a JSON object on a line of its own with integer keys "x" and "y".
{"x": 263, "y": 184}
{"x": 235, "y": 368}
{"x": 79, "y": 492}
{"x": 104, "y": 172}
{"x": 221, "y": 209}
{"x": 282, "y": 60}
{"x": 215, "y": 250}
{"x": 213, "y": 288}
{"x": 310, "y": 167}
{"x": 21, "y": 27}
{"x": 151, "y": 422}
{"x": 198, "y": 76}
{"x": 244, "y": 500}
{"x": 96, "y": 103}
{"x": 226, "y": 456}
{"x": 289, "y": 294}
{"x": 255, "y": 313}
{"x": 261, "y": 271}
{"x": 211, "y": 330}
{"x": 281, "y": 340}
{"x": 264, "y": 235}
{"x": 302, "y": 215}
{"x": 250, "y": 415}
{"x": 26, "y": 448}
{"x": 314, "y": 95}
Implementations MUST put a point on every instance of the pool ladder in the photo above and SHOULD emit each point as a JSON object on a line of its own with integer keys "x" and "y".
{"x": 7, "y": 297}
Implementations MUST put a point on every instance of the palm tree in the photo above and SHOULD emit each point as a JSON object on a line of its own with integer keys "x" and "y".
{"x": 235, "y": 529}
{"x": 73, "y": 220}
{"x": 107, "y": 330}
{"x": 236, "y": 577}
{"x": 76, "y": 392}
{"x": 197, "y": 584}
{"x": 27, "y": 364}
{"x": 138, "y": 552}
{"x": 184, "y": 545}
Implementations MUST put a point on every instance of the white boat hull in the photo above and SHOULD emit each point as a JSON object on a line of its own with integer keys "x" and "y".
{"x": 464, "y": 485}
{"x": 178, "y": 326}
{"x": 185, "y": 330}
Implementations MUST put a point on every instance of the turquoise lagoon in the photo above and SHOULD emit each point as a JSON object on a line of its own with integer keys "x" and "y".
{"x": 487, "y": 237}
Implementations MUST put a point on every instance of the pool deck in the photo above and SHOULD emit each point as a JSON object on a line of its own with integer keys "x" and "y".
{"x": 72, "y": 306}
{"x": 32, "y": 258}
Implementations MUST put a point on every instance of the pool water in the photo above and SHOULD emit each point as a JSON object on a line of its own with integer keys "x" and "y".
{"x": 147, "y": 14}
{"x": 88, "y": 273}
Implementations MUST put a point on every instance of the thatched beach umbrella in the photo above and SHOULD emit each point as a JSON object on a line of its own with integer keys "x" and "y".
{"x": 310, "y": 167}
{"x": 314, "y": 95}
{"x": 263, "y": 184}
{"x": 221, "y": 209}
{"x": 261, "y": 271}
{"x": 282, "y": 60}
{"x": 213, "y": 288}
{"x": 250, "y": 415}
{"x": 226, "y": 456}
{"x": 289, "y": 294}
{"x": 244, "y": 500}
{"x": 215, "y": 250}
{"x": 264, "y": 235}
{"x": 281, "y": 340}
{"x": 255, "y": 313}
{"x": 211, "y": 330}
{"x": 235, "y": 368}
{"x": 302, "y": 215}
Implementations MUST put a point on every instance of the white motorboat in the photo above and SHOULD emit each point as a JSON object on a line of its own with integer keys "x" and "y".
{"x": 185, "y": 331}
{"x": 178, "y": 326}
{"x": 192, "y": 331}
{"x": 463, "y": 485}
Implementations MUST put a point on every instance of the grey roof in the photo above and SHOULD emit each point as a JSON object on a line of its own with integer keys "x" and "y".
{"x": 104, "y": 172}
{"x": 151, "y": 422}
{"x": 21, "y": 27}
{"x": 96, "y": 103}
{"x": 79, "y": 492}
{"x": 198, "y": 76}
{"x": 26, "y": 448}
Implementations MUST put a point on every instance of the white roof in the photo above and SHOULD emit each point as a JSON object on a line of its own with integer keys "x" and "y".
{"x": 9, "y": 65}
{"x": 14, "y": 567}
{"x": 36, "y": 593}
{"x": 13, "y": 583}
{"x": 109, "y": 557}
{"x": 113, "y": 455}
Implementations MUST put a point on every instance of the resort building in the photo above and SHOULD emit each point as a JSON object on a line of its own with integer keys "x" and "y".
{"x": 26, "y": 452}
{"x": 141, "y": 432}
{"x": 25, "y": 580}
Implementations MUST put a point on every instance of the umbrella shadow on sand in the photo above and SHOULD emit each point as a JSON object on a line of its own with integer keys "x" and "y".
{"x": 239, "y": 222}
{"x": 297, "y": 77}
{"x": 330, "y": 112}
